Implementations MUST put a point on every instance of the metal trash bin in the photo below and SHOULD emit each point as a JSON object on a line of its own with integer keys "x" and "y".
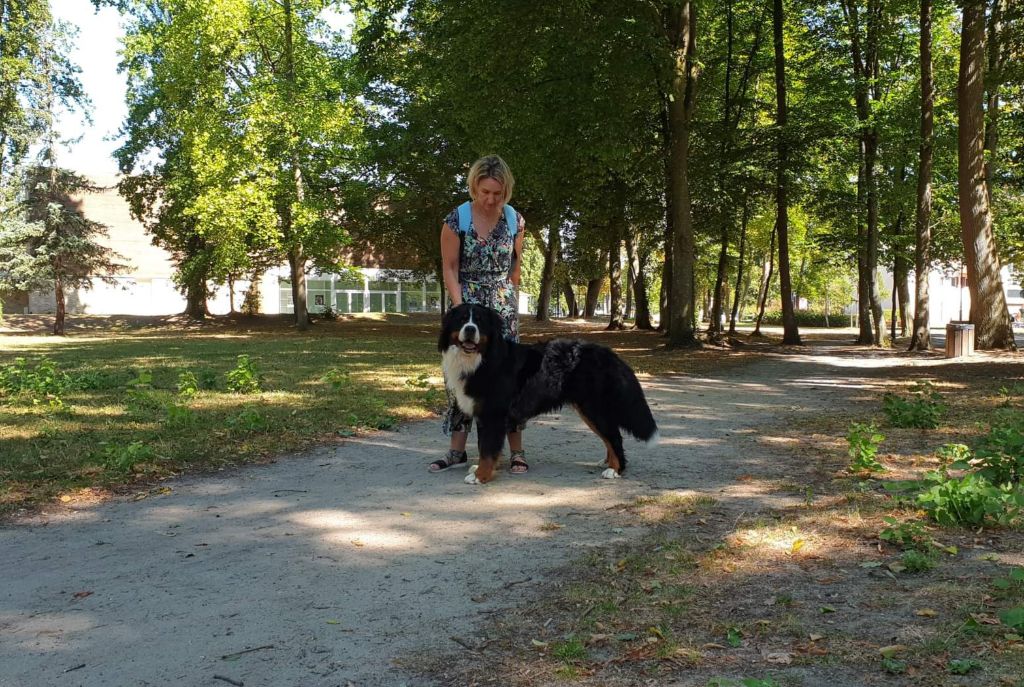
{"x": 959, "y": 339}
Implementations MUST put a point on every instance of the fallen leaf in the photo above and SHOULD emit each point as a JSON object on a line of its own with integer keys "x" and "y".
{"x": 926, "y": 612}
{"x": 357, "y": 542}
{"x": 815, "y": 638}
{"x": 780, "y": 657}
{"x": 891, "y": 650}
{"x": 797, "y": 545}
{"x": 82, "y": 595}
{"x": 405, "y": 515}
{"x": 985, "y": 619}
{"x": 537, "y": 642}
{"x": 333, "y": 622}
{"x": 65, "y": 498}
{"x": 827, "y": 609}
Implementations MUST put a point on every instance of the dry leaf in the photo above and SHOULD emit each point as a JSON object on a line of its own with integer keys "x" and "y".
{"x": 892, "y": 650}
{"x": 358, "y": 542}
{"x": 926, "y": 612}
{"x": 780, "y": 657}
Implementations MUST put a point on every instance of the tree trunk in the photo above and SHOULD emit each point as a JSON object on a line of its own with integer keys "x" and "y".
{"x": 993, "y": 82}
{"x": 195, "y": 298}
{"x": 682, "y": 23}
{"x": 297, "y": 266}
{"x": 572, "y": 307}
{"x": 739, "y": 290}
{"x": 61, "y": 309}
{"x": 547, "y": 279}
{"x": 767, "y": 285}
{"x": 665, "y": 294}
{"x": 639, "y": 284}
{"x": 593, "y": 293}
{"x": 615, "y": 319}
{"x": 921, "y": 340}
{"x": 791, "y": 335}
{"x": 901, "y": 274}
{"x": 989, "y": 312}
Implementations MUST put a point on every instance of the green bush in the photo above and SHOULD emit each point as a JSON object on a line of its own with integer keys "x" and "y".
{"x": 245, "y": 377}
{"x": 1000, "y": 455}
{"x": 864, "y": 439}
{"x": 809, "y": 318}
{"x": 923, "y": 409}
{"x": 970, "y": 500}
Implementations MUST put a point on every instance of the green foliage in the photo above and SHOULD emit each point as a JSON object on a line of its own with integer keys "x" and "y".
{"x": 1013, "y": 617}
{"x": 188, "y": 384}
{"x": 915, "y": 561}
{"x": 339, "y": 380}
{"x": 1012, "y": 584}
{"x": 569, "y": 649}
{"x": 39, "y": 381}
{"x": 969, "y": 500}
{"x": 249, "y": 419}
{"x": 809, "y": 318}
{"x": 909, "y": 535}
{"x": 923, "y": 409}
{"x": 124, "y": 457}
{"x": 245, "y": 377}
{"x": 863, "y": 440}
{"x": 1000, "y": 455}
{"x": 742, "y": 682}
{"x": 179, "y": 415}
{"x": 894, "y": 666}
{"x": 962, "y": 666}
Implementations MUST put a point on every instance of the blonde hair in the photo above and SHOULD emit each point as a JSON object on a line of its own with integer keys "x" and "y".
{"x": 491, "y": 167}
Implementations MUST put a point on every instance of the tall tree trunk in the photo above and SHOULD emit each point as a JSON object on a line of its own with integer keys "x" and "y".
{"x": 61, "y": 309}
{"x": 615, "y": 319}
{"x": 921, "y": 340}
{"x": 739, "y": 291}
{"x": 682, "y": 22}
{"x": 297, "y": 270}
{"x": 547, "y": 280}
{"x": 791, "y": 335}
{"x": 767, "y": 284}
{"x": 572, "y": 307}
{"x": 993, "y": 82}
{"x": 636, "y": 278}
{"x": 989, "y": 313}
{"x": 866, "y": 334}
{"x": 195, "y": 298}
{"x": 593, "y": 293}
{"x": 665, "y": 295}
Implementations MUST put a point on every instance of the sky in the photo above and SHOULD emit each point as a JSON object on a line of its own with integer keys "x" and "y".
{"x": 96, "y": 52}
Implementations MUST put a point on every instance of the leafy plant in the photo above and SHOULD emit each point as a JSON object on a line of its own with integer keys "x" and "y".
{"x": 570, "y": 649}
{"x": 1012, "y": 584}
{"x": 915, "y": 561}
{"x": 180, "y": 415}
{"x": 922, "y": 410}
{"x": 864, "y": 439}
{"x": 41, "y": 381}
{"x": 1013, "y": 617}
{"x": 962, "y": 666}
{"x": 969, "y": 500}
{"x": 143, "y": 379}
{"x": 207, "y": 379}
{"x": 245, "y": 377}
{"x": 339, "y": 380}
{"x": 1000, "y": 455}
{"x": 909, "y": 535}
{"x": 188, "y": 384}
{"x": 124, "y": 457}
{"x": 248, "y": 420}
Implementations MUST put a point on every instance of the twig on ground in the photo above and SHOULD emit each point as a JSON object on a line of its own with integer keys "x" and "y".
{"x": 515, "y": 582}
{"x": 226, "y": 657}
{"x": 236, "y": 683}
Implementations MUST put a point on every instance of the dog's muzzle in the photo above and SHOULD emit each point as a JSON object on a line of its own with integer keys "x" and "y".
{"x": 469, "y": 338}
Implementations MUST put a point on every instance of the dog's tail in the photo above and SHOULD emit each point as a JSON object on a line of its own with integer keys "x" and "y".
{"x": 637, "y": 418}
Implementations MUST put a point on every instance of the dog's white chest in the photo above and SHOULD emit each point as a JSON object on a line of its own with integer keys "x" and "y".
{"x": 458, "y": 366}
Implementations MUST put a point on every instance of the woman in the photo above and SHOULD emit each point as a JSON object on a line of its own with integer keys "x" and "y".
{"x": 481, "y": 263}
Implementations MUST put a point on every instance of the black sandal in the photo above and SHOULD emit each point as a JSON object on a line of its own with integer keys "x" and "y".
{"x": 517, "y": 464}
{"x": 452, "y": 459}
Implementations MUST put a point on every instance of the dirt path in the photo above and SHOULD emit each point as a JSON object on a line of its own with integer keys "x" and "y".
{"x": 329, "y": 567}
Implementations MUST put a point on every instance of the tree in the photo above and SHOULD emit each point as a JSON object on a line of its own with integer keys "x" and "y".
{"x": 989, "y": 311}
{"x": 681, "y": 27}
{"x": 54, "y": 245}
{"x": 921, "y": 339}
{"x": 791, "y": 334}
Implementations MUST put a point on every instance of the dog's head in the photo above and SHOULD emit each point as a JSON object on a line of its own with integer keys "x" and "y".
{"x": 473, "y": 329}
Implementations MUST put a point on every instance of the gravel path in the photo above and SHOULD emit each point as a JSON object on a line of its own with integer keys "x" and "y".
{"x": 327, "y": 568}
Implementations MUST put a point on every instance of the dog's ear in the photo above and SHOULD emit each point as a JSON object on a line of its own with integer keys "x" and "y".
{"x": 444, "y": 340}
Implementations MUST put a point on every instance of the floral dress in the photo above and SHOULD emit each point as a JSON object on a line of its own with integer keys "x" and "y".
{"x": 484, "y": 277}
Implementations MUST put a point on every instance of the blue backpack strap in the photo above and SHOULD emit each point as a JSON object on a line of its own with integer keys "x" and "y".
{"x": 465, "y": 218}
{"x": 512, "y": 220}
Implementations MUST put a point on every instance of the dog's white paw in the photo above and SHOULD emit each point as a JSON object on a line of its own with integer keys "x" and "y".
{"x": 471, "y": 477}
{"x": 610, "y": 474}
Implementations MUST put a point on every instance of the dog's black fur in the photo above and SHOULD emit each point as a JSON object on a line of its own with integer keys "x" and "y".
{"x": 515, "y": 382}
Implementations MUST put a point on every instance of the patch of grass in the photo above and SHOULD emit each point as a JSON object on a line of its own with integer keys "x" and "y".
{"x": 186, "y": 394}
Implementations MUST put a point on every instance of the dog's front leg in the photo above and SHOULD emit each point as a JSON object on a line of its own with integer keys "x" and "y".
{"x": 490, "y": 438}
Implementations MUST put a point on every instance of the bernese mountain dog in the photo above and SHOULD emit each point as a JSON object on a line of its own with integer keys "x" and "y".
{"x": 503, "y": 384}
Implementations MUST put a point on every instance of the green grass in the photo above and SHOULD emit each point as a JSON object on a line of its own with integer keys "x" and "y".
{"x": 121, "y": 416}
